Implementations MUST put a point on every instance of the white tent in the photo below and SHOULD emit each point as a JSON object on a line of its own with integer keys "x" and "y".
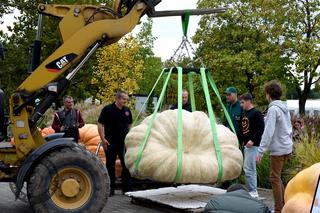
{"x": 312, "y": 107}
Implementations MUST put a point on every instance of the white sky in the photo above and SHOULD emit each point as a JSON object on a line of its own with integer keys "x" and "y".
{"x": 168, "y": 30}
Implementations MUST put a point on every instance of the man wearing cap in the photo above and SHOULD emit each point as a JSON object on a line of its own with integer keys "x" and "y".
{"x": 234, "y": 109}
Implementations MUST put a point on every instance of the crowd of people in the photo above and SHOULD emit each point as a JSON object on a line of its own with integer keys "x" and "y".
{"x": 256, "y": 134}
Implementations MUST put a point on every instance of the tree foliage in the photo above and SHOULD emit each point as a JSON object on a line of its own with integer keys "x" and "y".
{"x": 255, "y": 41}
{"x": 238, "y": 50}
{"x": 298, "y": 22}
{"x": 152, "y": 64}
{"x": 20, "y": 36}
{"x": 119, "y": 66}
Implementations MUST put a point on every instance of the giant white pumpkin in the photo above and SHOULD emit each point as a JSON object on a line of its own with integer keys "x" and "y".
{"x": 199, "y": 161}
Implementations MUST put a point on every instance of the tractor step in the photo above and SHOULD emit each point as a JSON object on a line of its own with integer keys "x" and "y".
{"x": 5, "y": 144}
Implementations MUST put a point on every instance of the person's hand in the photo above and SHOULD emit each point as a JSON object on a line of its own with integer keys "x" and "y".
{"x": 62, "y": 128}
{"x": 105, "y": 143}
{"x": 249, "y": 144}
{"x": 258, "y": 158}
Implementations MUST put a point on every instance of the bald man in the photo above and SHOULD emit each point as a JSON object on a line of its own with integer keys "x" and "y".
{"x": 185, "y": 102}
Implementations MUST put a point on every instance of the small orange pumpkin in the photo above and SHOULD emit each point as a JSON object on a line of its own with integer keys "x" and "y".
{"x": 300, "y": 190}
{"x": 47, "y": 131}
{"x": 89, "y": 137}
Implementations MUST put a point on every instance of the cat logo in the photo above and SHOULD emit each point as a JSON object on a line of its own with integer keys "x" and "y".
{"x": 63, "y": 62}
{"x": 58, "y": 64}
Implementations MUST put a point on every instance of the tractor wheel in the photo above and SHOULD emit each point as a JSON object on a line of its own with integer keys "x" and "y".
{"x": 69, "y": 180}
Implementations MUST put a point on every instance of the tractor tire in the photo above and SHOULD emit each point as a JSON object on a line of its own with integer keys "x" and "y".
{"x": 69, "y": 180}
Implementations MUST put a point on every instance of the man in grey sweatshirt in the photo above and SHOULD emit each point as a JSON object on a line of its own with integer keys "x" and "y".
{"x": 277, "y": 138}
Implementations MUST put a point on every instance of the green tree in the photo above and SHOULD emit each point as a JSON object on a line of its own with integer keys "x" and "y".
{"x": 14, "y": 69}
{"x": 118, "y": 67}
{"x": 298, "y": 25}
{"x": 282, "y": 37}
{"x": 238, "y": 50}
{"x": 152, "y": 64}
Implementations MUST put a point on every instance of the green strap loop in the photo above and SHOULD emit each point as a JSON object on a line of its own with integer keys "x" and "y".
{"x": 216, "y": 91}
{"x": 191, "y": 91}
{"x": 145, "y": 103}
{"x": 185, "y": 22}
{"x": 151, "y": 121}
{"x": 212, "y": 123}
{"x": 179, "y": 146}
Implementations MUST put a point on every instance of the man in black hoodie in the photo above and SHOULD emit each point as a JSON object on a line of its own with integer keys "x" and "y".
{"x": 252, "y": 126}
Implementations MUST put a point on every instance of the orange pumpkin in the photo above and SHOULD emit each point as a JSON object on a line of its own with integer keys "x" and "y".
{"x": 89, "y": 137}
{"x": 47, "y": 131}
{"x": 300, "y": 190}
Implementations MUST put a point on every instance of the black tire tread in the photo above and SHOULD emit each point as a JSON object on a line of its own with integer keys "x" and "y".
{"x": 40, "y": 171}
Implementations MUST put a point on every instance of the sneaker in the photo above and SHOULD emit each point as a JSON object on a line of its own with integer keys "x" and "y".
{"x": 254, "y": 194}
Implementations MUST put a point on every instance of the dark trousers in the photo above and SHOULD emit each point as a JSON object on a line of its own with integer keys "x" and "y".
{"x": 111, "y": 155}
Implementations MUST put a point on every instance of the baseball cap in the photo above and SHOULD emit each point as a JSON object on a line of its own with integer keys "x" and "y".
{"x": 231, "y": 90}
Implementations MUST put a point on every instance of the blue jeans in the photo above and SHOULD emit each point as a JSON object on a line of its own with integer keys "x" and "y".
{"x": 249, "y": 167}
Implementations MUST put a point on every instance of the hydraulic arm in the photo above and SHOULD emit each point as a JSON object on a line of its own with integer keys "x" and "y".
{"x": 83, "y": 29}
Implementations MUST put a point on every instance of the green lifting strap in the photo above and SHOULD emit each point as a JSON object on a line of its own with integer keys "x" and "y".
{"x": 185, "y": 22}
{"x": 216, "y": 91}
{"x": 179, "y": 147}
{"x": 212, "y": 123}
{"x": 151, "y": 121}
{"x": 162, "y": 101}
{"x": 191, "y": 91}
{"x": 145, "y": 103}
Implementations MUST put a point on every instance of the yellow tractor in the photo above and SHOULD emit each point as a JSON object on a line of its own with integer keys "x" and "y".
{"x": 61, "y": 175}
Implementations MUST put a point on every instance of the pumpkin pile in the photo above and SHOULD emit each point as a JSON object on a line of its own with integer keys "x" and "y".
{"x": 47, "y": 131}
{"x": 199, "y": 161}
{"x": 300, "y": 190}
{"x": 89, "y": 137}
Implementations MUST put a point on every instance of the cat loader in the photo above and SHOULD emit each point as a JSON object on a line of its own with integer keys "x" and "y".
{"x": 62, "y": 176}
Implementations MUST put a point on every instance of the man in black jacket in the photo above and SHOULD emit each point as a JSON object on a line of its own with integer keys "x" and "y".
{"x": 252, "y": 127}
{"x": 236, "y": 200}
{"x": 113, "y": 125}
{"x": 185, "y": 102}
